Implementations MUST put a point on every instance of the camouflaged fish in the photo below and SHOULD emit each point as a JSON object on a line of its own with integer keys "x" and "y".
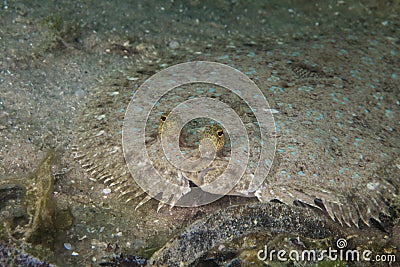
{"x": 364, "y": 202}
{"x": 327, "y": 156}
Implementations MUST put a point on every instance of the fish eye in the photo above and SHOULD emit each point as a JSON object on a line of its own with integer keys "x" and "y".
{"x": 163, "y": 117}
{"x": 220, "y": 133}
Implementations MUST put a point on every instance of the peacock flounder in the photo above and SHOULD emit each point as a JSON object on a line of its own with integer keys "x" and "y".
{"x": 325, "y": 158}
{"x": 362, "y": 203}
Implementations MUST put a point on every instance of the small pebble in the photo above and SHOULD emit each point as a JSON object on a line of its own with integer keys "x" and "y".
{"x": 106, "y": 191}
{"x": 67, "y": 246}
{"x": 80, "y": 94}
{"x": 173, "y": 44}
{"x": 100, "y": 117}
{"x": 100, "y": 133}
{"x": 74, "y": 253}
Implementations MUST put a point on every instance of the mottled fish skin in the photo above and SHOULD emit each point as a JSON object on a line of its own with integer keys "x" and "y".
{"x": 216, "y": 134}
{"x": 170, "y": 174}
{"x": 340, "y": 207}
{"x": 328, "y": 156}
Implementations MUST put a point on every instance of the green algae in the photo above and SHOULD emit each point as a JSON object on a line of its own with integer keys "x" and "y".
{"x": 59, "y": 33}
{"x": 38, "y": 223}
{"x": 336, "y": 263}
